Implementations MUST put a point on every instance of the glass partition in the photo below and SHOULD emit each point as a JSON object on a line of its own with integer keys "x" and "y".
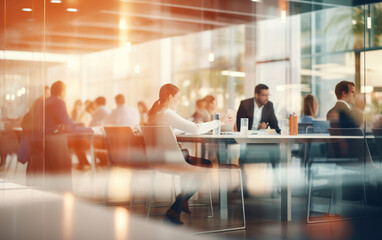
{"x": 219, "y": 48}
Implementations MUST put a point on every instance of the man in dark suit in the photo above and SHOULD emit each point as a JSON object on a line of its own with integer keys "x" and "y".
{"x": 258, "y": 110}
{"x": 260, "y": 113}
{"x": 342, "y": 115}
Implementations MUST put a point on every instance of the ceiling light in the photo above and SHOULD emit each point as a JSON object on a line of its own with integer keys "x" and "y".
{"x": 233, "y": 73}
{"x": 72, "y": 9}
{"x": 256, "y": 0}
{"x": 137, "y": 69}
{"x": 27, "y": 9}
{"x": 211, "y": 57}
{"x": 367, "y": 89}
{"x": 122, "y": 24}
{"x": 55, "y": 1}
{"x": 128, "y": 46}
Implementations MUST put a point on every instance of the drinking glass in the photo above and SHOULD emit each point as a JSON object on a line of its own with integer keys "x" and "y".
{"x": 284, "y": 126}
{"x": 244, "y": 126}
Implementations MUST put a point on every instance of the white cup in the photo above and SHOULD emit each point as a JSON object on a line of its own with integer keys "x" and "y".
{"x": 244, "y": 126}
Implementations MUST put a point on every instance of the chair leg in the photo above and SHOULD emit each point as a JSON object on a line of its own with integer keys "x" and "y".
{"x": 333, "y": 189}
{"x": 132, "y": 192}
{"x": 309, "y": 196}
{"x": 210, "y": 198}
{"x": 16, "y": 167}
{"x": 173, "y": 191}
{"x": 148, "y": 203}
{"x": 242, "y": 198}
{"x": 364, "y": 195}
{"x": 331, "y": 201}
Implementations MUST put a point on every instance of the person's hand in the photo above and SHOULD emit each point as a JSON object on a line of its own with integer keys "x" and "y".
{"x": 262, "y": 125}
{"x": 227, "y": 119}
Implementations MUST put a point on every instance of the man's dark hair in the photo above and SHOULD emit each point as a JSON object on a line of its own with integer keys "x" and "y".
{"x": 57, "y": 88}
{"x": 100, "y": 101}
{"x": 119, "y": 99}
{"x": 260, "y": 87}
{"x": 342, "y": 86}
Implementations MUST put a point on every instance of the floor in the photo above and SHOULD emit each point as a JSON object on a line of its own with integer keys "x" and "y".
{"x": 107, "y": 189}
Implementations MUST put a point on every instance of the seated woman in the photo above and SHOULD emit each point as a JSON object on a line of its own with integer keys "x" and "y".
{"x": 310, "y": 109}
{"x": 163, "y": 112}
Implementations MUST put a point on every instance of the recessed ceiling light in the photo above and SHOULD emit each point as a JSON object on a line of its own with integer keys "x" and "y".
{"x": 56, "y": 1}
{"x": 72, "y": 9}
{"x": 27, "y": 9}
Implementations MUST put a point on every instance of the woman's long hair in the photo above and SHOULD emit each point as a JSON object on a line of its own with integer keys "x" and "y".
{"x": 165, "y": 92}
{"x": 310, "y": 106}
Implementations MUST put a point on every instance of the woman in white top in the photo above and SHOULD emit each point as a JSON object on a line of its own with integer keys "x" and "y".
{"x": 163, "y": 112}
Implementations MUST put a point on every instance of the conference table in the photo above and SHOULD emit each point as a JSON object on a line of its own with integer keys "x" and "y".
{"x": 285, "y": 142}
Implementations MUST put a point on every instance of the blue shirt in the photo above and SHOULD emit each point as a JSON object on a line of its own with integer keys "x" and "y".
{"x": 306, "y": 119}
{"x": 57, "y": 119}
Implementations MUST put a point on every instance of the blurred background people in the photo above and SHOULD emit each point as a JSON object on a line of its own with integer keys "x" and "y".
{"x": 211, "y": 105}
{"x": 57, "y": 122}
{"x": 77, "y": 111}
{"x": 86, "y": 116}
{"x": 123, "y": 115}
{"x": 201, "y": 113}
{"x": 100, "y": 112}
{"x": 142, "y": 109}
{"x": 310, "y": 109}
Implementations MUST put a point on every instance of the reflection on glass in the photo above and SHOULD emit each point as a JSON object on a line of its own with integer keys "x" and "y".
{"x": 68, "y": 216}
{"x": 121, "y": 223}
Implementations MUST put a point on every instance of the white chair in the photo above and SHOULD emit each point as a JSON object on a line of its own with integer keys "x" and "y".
{"x": 164, "y": 154}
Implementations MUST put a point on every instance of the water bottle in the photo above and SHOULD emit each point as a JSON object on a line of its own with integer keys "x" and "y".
{"x": 216, "y": 131}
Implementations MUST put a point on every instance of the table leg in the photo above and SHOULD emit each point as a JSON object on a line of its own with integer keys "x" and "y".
{"x": 223, "y": 202}
{"x": 286, "y": 195}
{"x": 223, "y": 178}
{"x": 92, "y": 157}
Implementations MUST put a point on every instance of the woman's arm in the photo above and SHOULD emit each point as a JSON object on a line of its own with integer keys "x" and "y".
{"x": 180, "y": 123}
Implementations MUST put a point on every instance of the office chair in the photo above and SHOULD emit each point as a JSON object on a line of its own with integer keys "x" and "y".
{"x": 350, "y": 155}
{"x": 126, "y": 150}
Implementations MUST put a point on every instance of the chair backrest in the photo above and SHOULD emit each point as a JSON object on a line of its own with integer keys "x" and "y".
{"x": 320, "y": 126}
{"x": 162, "y": 147}
{"x": 377, "y": 132}
{"x": 347, "y": 148}
{"x": 303, "y": 127}
{"x": 123, "y": 147}
{"x": 346, "y": 131}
